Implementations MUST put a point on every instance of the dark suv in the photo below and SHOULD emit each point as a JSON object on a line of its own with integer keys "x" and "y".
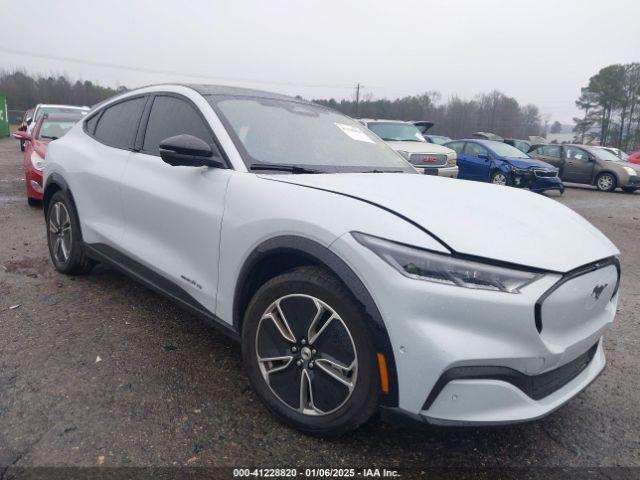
{"x": 590, "y": 165}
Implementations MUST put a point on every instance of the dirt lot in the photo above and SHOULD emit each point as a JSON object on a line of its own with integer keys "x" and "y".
{"x": 170, "y": 391}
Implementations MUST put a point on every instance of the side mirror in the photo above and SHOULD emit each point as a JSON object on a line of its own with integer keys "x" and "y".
{"x": 20, "y": 135}
{"x": 484, "y": 156}
{"x": 28, "y": 120}
{"x": 188, "y": 151}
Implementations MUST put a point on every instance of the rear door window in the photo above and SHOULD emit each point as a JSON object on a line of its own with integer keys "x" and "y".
{"x": 172, "y": 116}
{"x": 118, "y": 124}
{"x": 457, "y": 146}
{"x": 475, "y": 150}
{"x": 574, "y": 153}
{"x": 552, "y": 151}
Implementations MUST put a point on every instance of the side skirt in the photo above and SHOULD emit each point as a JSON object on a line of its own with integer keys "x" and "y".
{"x": 107, "y": 255}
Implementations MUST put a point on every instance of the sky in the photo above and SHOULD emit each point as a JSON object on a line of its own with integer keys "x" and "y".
{"x": 539, "y": 52}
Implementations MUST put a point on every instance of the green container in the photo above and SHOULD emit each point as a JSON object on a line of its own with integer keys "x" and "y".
{"x": 4, "y": 117}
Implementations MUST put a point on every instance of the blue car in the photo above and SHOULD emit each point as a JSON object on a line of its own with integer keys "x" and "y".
{"x": 503, "y": 164}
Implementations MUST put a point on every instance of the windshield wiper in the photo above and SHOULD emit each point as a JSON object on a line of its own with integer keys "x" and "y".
{"x": 48, "y": 137}
{"x": 283, "y": 168}
{"x": 383, "y": 171}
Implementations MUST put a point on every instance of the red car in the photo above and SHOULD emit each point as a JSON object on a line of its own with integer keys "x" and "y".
{"x": 634, "y": 157}
{"x": 49, "y": 127}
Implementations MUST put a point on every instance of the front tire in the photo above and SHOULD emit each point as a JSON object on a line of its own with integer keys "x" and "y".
{"x": 22, "y": 145}
{"x": 33, "y": 202}
{"x": 500, "y": 178}
{"x": 64, "y": 237}
{"x": 308, "y": 353}
{"x": 606, "y": 182}
{"x": 629, "y": 189}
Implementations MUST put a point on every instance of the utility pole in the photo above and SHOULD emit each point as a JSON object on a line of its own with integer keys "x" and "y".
{"x": 357, "y": 100}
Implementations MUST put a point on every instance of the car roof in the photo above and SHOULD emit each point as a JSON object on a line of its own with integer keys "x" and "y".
{"x": 226, "y": 90}
{"x": 481, "y": 141}
{"x": 382, "y": 120}
{"x": 46, "y": 105}
{"x": 63, "y": 116}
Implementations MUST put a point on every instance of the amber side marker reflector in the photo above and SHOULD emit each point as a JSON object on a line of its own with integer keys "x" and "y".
{"x": 384, "y": 374}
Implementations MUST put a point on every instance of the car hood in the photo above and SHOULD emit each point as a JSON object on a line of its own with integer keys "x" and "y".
{"x": 491, "y": 221}
{"x": 419, "y": 147}
{"x": 529, "y": 163}
{"x": 635, "y": 166}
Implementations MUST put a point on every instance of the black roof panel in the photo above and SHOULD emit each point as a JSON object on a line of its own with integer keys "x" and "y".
{"x": 239, "y": 91}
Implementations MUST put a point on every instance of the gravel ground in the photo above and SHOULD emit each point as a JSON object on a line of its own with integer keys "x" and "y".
{"x": 171, "y": 391}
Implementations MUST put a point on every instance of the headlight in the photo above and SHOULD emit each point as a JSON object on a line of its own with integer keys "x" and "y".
{"x": 441, "y": 268}
{"x": 519, "y": 171}
{"x": 452, "y": 160}
{"x": 404, "y": 154}
{"x": 630, "y": 171}
{"x": 37, "y": 161}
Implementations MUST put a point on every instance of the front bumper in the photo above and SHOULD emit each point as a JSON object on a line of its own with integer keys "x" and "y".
{"x": 448, "y": 172}
{"x": 435, "y": 328}
{"x": 33, "y": 179}
{"x": 537, "y": 184}
{"x": 634, "y": 181}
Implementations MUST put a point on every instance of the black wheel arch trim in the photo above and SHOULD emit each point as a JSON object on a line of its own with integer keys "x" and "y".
{"x": 320, "y": 254}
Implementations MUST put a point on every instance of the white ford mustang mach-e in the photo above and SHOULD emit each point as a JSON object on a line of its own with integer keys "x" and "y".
{"x": 353, "y": 282}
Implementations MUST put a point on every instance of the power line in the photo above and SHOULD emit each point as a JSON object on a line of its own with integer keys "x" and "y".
{"x": 168, "y": 72}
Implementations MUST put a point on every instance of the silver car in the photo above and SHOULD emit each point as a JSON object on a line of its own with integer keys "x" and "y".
{"x": 406, "y": 139}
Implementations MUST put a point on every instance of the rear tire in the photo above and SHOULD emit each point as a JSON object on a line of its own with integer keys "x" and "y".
{"x": 606, "y": 182}
{"x": 323, "y": 377}
{"x": 22, "y": 146}
{"x": 64, "y": 237}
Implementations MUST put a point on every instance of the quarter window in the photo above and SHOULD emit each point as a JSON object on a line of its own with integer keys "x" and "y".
{"x": 118, "y": 124}
{"x": 172, "y": 116}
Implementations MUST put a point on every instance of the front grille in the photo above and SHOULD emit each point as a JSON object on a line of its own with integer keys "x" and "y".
{"x": 545, "y": 173}
{"x": 534, "y": 386}
{"x": 428, "y": 159}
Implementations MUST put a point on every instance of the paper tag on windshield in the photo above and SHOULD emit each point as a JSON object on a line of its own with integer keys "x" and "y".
{"x": 354, "y": 132}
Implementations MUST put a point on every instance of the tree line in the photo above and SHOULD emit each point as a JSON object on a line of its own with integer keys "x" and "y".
{"x": 494, "y": 112}
{"x": 24, "y": 91}
{"x": 456, "y": 117}
{"x": 611, "y": 106}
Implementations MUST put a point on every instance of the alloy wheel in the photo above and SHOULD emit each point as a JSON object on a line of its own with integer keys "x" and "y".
{"x": 499, "y": 179}
{"x": 60, "y": 233}
{"x": 605, "y": 182}
{"x": 306, "y": 354}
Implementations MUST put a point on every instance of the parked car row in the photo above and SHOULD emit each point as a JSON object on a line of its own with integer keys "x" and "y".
{"x": 484, "y": 158}
{"x": 509, "y": 161}
{"x": 41, "y": 125}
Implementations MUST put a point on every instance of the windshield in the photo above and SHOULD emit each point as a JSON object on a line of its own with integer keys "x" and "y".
{"x": 43, "y": 110}
{"x": 282, "y": 132}
{"x": 54, "y": 129}
{"x": 603, "y": 153}
{"x": 396, "y": 132}
{"x": 439, "y": 139}
{"x": 506, "y": 150}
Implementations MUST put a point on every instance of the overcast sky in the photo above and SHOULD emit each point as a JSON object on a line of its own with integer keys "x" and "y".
{"x": 540, "y": 51}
